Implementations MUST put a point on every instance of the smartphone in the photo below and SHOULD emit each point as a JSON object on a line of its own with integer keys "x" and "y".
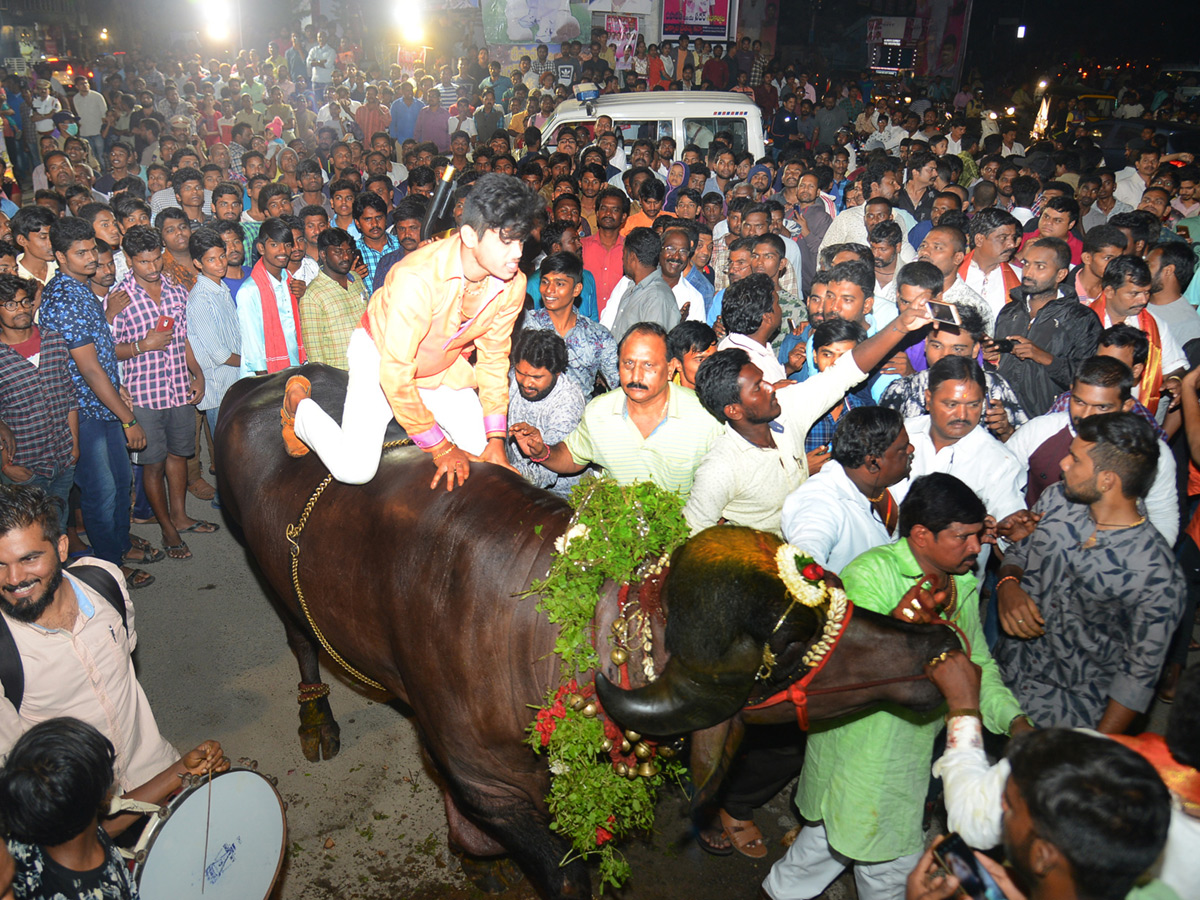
{"x": 957, "y": 859}
{"x": 1184, "y": 232}
{"x": 943, "y": 312}
{"x": 1003, "y": 345}
{"x": 165, "y": 323}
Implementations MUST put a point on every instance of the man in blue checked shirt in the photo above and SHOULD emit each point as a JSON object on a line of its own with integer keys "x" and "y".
{"x": 370, "y": 216}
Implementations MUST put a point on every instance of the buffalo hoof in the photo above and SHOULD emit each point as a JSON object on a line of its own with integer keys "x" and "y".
{"x": 320, "y": 735}
{"x": 492, "y": 876}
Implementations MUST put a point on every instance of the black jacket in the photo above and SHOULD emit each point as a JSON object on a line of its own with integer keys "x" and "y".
{"x": 1065, "y": 328}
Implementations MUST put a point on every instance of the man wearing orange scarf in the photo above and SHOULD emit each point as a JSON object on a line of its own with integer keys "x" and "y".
{"x": 409, "y": 359}
{"x": 1124, "y": 296}
{"x": 988, "y": 269}
{"x": 268, "y": 316}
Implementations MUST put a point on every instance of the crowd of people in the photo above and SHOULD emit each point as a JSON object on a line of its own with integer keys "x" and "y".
{"x": 957, "y": 370}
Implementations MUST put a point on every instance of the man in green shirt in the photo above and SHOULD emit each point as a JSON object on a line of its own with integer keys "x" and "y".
{"x": 865, "y": 776}
{"x": 649, "y": 430}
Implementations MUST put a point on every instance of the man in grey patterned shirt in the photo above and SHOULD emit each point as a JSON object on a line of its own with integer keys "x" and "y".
{"x": 1003, "y": 413}
{"x": 1090, "y": 598}
{"x": 538, "y": 393}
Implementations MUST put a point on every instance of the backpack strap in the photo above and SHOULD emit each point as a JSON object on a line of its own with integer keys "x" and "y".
{"x": 12, "y": 673}
{"x": 103, "y": 583}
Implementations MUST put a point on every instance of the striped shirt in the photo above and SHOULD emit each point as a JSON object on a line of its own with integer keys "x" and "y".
{"x": 668, "y": 457}
{"x": 372, "y": 257}
{"x": 35, "y": 400}
{"x": 157, "y": 379}
{"x": 329, "y": 314}
{"x": 70, "y": 308}
{"x": 214, "y": 336}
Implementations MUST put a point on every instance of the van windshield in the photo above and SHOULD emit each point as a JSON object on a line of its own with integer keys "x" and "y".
{"x": 700, "y": 131}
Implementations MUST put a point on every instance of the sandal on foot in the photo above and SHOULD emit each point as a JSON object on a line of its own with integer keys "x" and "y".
{"x": 180, "y": 548}
{"x": 745, "y": 836}
{"x": 138, "y": 579}
{"x": 709, "y": 847}
{"x": 149, "y": 556}
{"x": 200, "y": 527}
{"x": 140, "y": 543}
{"x": 201, "y": 489}
{"x": 295, "y": 446}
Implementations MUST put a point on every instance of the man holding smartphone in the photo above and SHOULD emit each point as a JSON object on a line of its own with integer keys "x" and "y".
{"x": 165, "y": 382}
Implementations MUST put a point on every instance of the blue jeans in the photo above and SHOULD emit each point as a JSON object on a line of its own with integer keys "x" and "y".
{"x": 57, "y": 485}
{"x": 103, "y": 476}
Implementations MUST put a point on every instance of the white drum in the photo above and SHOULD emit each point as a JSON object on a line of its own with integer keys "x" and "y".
{"x": 242, "y": 816}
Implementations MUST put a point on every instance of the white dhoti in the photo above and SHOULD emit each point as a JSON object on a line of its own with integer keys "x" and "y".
{"x": 351, "y": 451}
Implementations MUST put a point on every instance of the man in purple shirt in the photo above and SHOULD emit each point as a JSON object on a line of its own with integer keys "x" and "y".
{"x": 433, "y": 122}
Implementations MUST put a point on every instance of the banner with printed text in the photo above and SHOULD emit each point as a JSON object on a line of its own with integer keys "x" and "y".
{"x": 708, "y": 19}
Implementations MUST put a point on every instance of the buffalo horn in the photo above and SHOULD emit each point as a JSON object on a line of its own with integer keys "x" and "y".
{"x": 682, "y": 699}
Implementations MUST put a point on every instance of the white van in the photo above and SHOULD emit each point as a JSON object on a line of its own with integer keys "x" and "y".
{"x": 690, "y": 117}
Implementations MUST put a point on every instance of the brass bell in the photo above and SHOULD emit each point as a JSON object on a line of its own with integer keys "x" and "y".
{"x": 666, "y": 752}
{"x": 626, "y": 746}
{"x": 606, "y": 745}
{"x": 642, "y": 750}
{"x": 633, "y": 736}
{"x": 589, "y": 710}
{"x": 647, "y": 769}
{"x": 575, "y": 701}
{"x": 632, "y": 773}
{"x": 618, "y": 656}
{"x": 621, "y": 769}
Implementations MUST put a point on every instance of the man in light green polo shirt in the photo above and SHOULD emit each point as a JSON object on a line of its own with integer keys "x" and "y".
{"x": 649, "y": 430}
{"x": 865, "y": 776}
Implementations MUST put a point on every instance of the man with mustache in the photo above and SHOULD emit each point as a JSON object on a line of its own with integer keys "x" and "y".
{"x": 953, "y": 439}
{"x": 988, "y": 268}
{"x": 649, "y": 430}
{"x": 865, "y": 776}
{"x": 1104, "y": 384}
{"x": 1090, "y": 599}
{"x": 74, "y": 644}
{"x": 1051, "y": 331}
{"x": 1124, "y": 295}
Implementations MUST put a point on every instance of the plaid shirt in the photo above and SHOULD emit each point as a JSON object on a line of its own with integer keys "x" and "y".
{"x": 35, "y": 402}
{"x": 372, "y": 258}
{"x": 329, "y": 313}
{"x": 822, "y": 430}
{"x": 236, "y": 151}
{"x": 720, "y": 262}
{"x": 157, "y": 379}
{"x": 70, "y": 308}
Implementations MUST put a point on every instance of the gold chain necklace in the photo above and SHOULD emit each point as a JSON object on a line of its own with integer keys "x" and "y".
{"x": 1091, "y": 541}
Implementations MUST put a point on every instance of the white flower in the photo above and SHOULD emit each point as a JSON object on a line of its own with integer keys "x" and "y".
{"x": 558, "y": 767}
{"x": 578, "y": 530}
{"x": 805, "y": 592}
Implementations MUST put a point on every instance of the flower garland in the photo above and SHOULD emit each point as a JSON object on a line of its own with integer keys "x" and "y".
{"x": 604, "y": 780}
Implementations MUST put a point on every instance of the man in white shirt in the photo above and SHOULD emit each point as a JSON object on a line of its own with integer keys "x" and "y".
{"x": 952, "y": 439}
{"x": 759, "y": 458}
{"x": 91, "y": 107}
{"x": 44, "y": 107}
{"x": 849, "y": 226}
{"x": 752, "y": 316}
{"x": 1103, "y": 385}
{"x": 846, "y": 508}
{"x": 1133, "y": 180}
{"x": 988, "y": 269}
{"x": 321, "y": 59}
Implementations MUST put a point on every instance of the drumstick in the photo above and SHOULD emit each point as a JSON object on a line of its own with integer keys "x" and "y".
{"x": 207, "y": 820}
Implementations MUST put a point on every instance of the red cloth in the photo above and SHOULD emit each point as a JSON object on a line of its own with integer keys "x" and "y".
{"x": 277, "y": 351}
{"x": 30, "y": 348}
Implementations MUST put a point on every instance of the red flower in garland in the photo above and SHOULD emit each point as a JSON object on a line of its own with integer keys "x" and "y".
{"x": 545, "y": 725}
{"x": 558, "y": 710}
{"x": 812, "y": 572}
{"x": 603, "y": 836}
